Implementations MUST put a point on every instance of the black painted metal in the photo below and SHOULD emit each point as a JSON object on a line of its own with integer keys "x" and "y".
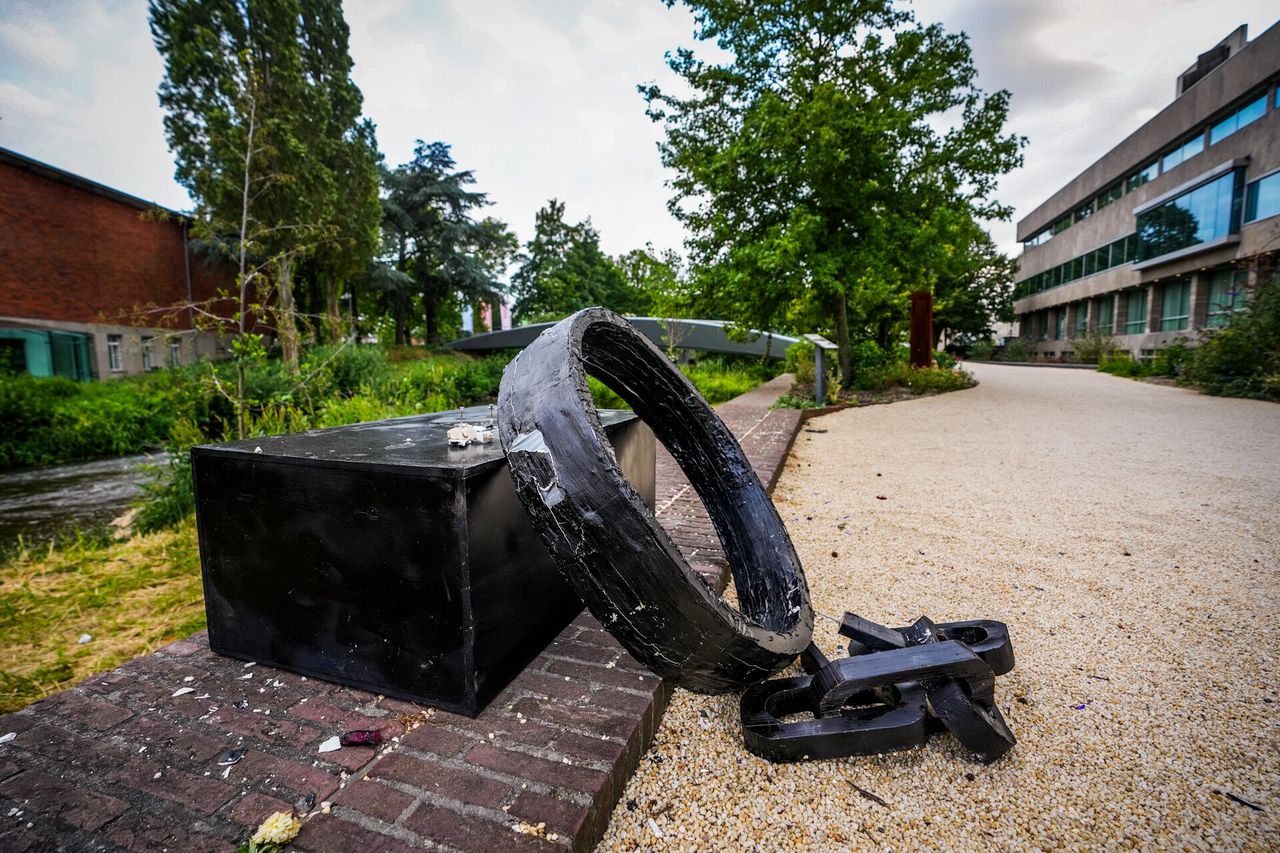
{"x": 620, "y": 560}
{"x": 870, "y": 722}
{"x": 833, "y": 685}
{"x": 988, "y": 638}
{"x": 376, "y": 556}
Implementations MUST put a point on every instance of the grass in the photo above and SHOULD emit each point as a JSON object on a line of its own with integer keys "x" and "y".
{"x": 131, "y": 597}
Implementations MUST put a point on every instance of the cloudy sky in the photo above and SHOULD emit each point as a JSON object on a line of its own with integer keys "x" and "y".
{"x": 538, "y": 96}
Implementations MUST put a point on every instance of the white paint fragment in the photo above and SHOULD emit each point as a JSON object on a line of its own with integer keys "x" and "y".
{"x": 84, "y": 638}
{"x": 333, "y": 744}
{"x": 183, "y": 691}
{"x": 6, "y": 738}
{"x": 653, "y": 827}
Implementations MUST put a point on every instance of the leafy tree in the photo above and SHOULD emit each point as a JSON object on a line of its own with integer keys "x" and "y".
{"x": 434, "y": 240}
{"x": 974, "y": 284}
{"x": 564, "y": 269}
{"x": 286, "y": 64}
{"x": 808, "y": 162}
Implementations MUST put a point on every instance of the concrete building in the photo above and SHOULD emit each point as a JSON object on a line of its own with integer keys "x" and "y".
{"x": 89, "y": 277}
{"x": 1163, "y": 235}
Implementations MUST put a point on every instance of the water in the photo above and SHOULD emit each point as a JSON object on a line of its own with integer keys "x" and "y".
{"x": 37, "y": 503}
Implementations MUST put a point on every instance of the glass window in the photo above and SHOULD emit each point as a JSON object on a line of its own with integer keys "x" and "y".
{"x": 1227, "y": 290}
{"x": 1135, "y": 312}
{"x": 1062, "y": 224}
{"x": 1263, "y": 198}
{"x": 1082, "y": 319}
{"x": 1247, "y": 114}
{"x": 1090, "y": 263}
{"x": 147, "y": 361}
{"x": 1106, "y": 314}
{"x": 1084, "y": 211}
{"x": 1038, "y": 239}
{"x": 1110, "y": 194}
{"x": 1140, "y": 177}
{"x": 175, "y": 352}
{"x": 113, "y": 353}
{"x": 1205, "y": 213}
{"x": 1131, "y": 247}
{"x": 1060, "y": 323}
{"x": 1175, "y": 307}
{"x": 1183, "y": 152}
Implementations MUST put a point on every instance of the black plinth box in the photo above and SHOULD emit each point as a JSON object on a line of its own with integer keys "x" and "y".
{"x": 376, "y": 556}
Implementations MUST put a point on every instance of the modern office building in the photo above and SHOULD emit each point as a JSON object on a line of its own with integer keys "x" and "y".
{"x": 1164, "y": 235}
{"x": 91, "y": 278}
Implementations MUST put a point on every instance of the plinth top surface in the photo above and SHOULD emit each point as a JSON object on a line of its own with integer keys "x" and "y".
{"x": 415, "y": 441}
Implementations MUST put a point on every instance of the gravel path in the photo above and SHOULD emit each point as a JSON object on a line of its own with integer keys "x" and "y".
{"x": 1130, "y": 536}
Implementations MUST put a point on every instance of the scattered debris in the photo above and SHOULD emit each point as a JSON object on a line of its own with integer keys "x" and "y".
{"x": 333, "y": 744}
{"x": 84, "y": 638}
{"x": 363, "y": 737}
{"x": 653, "y": 827}
{"x": 8, "y": 737}
{"x": 867, "y": 795}
{"x": 881, "y": 498}
{"x": 182, "y": 691}
{"x": 1241, "y": 800}
{"x": 231, "y": 756}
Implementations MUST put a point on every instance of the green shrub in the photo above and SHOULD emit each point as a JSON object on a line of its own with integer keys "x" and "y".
{"x": 1171, "y": 361}
{"x": 1094, "y": 348}
{"x": 945, "y": 360}
{"x": 1242, "y": 359}
{"x": 799, "y": 361}
{"x": 1123, "y": 364}
{"x": 1016, "y": 349}
{"x": 981, "y": 350}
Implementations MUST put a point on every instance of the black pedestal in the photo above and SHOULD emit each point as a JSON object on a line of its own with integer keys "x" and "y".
{"x": 376, "y": 556}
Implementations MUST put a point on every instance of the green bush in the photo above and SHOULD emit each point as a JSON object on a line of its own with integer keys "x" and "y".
{"x": 1242, "y": 359}
{"x": 799, "y": 361}
{"x": 981, "y": 350}
{"x": 1094, "y": 348}
{"x": 945, "y": 360}
{"x": 1017, "y": 349}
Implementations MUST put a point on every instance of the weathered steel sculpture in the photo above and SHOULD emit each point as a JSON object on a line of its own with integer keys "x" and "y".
{"x": 618, "y": 558}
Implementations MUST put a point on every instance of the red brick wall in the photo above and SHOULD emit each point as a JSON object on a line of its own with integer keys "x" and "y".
{"x": 68, "y": 254}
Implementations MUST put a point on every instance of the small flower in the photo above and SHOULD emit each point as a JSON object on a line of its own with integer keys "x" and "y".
{"x": 280, "y": 828}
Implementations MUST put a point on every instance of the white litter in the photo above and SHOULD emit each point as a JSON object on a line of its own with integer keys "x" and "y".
{"x": 183, "y": 691}
{"x": 84, "y": 638}
{"x": 333, "y": 744}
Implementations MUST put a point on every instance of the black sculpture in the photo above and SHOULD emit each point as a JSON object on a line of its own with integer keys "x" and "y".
{"x": 896, "y": 686}
{"x": 621, "y": 562}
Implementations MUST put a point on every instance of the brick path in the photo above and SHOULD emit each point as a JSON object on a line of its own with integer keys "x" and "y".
{"x": 131, "y": 758}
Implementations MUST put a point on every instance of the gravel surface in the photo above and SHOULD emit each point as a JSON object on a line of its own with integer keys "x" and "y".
{"x": 1129, "y": 535}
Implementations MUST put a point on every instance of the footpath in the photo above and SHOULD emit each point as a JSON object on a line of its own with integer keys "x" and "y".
{"x": 187, "y": 750}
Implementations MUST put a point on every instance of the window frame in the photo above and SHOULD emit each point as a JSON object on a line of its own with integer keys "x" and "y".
{"x": 115, "y": 358}
{"x": 1140, "y": 294}
{"x": 1175, "y": 322}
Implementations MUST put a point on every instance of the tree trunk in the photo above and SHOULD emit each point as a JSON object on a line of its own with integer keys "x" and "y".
{"x": 287, "y": 323}
{"x": 842, "y": 341}
{"x": 399, "y": 310}
{"x": 882, "y": 334}
{"x": 332, "y": 315}
{"x": 355, "y": 312}
{"x": 433, "y": 323}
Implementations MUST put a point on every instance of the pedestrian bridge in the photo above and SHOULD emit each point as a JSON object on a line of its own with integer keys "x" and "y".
{"x": 704, "y": 335}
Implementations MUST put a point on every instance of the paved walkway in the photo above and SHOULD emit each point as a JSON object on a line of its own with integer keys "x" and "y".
{"x": 1130, "y": 536}
{"x": 131, "y": 759}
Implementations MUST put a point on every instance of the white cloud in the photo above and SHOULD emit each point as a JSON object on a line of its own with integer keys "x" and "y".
{"x": 38, "y": 45}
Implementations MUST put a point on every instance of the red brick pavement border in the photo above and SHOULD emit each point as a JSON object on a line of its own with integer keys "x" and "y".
{"x": 137, "y": 758}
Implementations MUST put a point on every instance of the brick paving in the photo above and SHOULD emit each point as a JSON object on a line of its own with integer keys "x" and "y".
{"x": 137, "y": 758}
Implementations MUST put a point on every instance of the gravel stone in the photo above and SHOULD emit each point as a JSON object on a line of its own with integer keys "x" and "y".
{"x": 1128, "y": 534}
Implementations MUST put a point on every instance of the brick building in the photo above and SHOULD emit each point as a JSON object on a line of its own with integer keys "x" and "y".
{"x": 1164, "y": 235}
{"x": 85, "y": 278}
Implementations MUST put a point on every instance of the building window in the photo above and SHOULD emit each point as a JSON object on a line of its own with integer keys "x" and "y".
{"x": 1263, "y": 198}
{"x": 1247, "y": 114}
{"x": 1084, "y": 211}
{"x": 148, "y": 363}
{"x": 1060, "y": 323}
{"x": 113, "y": 354}
{"x": 1227, "y": 289}
{"x": 1208, "y": 212}
{"x": 1106, "y": 315}
{"x": 1038, "y": 239}
{"x": 1082, "y": 320}
{"x": 1135, "y": 312}
{"x": 1183, "y": 152}
{"x": 1175, "y": 307}
{"x": 1110, "y": 194}
{"x": 175, "y": 352}
{"x": 1140, "y": 177}
{"x": 1062, "y": 224}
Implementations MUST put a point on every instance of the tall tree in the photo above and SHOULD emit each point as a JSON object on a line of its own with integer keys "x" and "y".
{"x": 806, "y": 161}
{"x": 564, "y": 269}
{"x": 434, "y": 239}
{"x": 286, "y": 63}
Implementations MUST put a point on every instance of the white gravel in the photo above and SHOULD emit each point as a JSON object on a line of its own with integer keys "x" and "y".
{"x": 1130, "y": 536}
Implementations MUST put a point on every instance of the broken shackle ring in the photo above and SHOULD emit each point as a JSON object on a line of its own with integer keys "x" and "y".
{"x": 988, "y": 638}
{"x": 881, "y": 724}
{"x": 604, "y": 537}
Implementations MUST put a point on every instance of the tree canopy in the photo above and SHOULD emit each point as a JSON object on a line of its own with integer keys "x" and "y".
{"x": 810, "y": 168}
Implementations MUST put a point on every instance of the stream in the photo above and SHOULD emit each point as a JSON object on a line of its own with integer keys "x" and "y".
{"x": 38, "y": 503}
